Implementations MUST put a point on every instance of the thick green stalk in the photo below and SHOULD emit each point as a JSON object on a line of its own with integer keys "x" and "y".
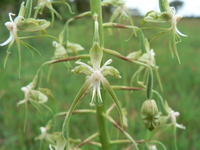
{"x": 103, "y": 132}
{"x": 95, "y": 6}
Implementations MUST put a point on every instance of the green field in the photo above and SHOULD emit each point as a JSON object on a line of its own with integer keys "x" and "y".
{"x": 180, "y": 83}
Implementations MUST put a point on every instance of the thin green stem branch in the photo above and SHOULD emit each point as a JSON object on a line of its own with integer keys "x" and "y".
{"x": 117, "y": 54}
{"x": 88, "y": 139}
{"x": 122, "y": 130}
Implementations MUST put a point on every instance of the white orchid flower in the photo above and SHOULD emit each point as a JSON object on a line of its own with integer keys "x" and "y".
{"x": 175, "y": 19}
{"x": 173, "y": 116}
{"x": 96, "y": 76}
{"x": 27, "y": 89}
{"x": 12, "y": 27}
{"x": 96, "y": 73}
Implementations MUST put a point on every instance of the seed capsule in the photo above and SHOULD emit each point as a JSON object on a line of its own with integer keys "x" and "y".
{"x": 149, "y": 114}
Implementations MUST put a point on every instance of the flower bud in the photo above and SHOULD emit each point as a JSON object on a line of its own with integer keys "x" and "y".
{"x": 150, "y": 114}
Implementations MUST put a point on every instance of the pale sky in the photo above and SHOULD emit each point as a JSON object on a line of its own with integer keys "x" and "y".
{"x": 189, "y": 8}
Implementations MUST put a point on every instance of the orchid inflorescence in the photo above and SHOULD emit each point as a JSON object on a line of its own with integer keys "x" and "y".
{"x": 154, "y": 116}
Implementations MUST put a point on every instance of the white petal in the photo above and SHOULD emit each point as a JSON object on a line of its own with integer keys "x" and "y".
{"x": 84, "y": 64}
{"x": 13, "y": 31}
{"x": 99, "y": 93}
{"x": 105, "y": 64}
{"x": 10, "y": 16}
{"x": 21, "y": 102}
{"x": 180, "y": 126}
{"x": 177, "y": 31}
{"x": 8, "y": 40}
{"x": 55, "y": 44}
{"x": 93, "y": 95}
{"x": 43, "y": 129}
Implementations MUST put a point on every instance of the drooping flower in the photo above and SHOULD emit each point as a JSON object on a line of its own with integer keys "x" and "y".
{"x": 167, "y": 14}
{"x": 46, "y": 3}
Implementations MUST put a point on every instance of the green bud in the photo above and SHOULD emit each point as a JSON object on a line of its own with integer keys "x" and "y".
{"x": 73, "y": 47}
{"x": 134, "y": 55}
{"x": 32, "y": 25}
{"x": 150, "y": 114}
{"x": 157, "y": 17}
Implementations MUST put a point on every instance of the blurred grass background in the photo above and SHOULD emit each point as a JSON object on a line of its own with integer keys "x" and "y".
{"x": 180, "y": 83}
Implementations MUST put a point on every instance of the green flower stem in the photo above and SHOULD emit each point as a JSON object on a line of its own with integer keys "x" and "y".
{"x": 88, "y": 139}
{"x": 95, "y": 6}
{"x": 120, "y": 141}
{"x": 61, "y": 2}
{"x": 159, "y": 143}
{"x": 122, "y": 130}
{"x": 116, "y": 54}
{"x": 37, "y": 36}
{"x": 161, "y": 103}
{"x": 116, "y": 87}
{"x": 65, "y": 32}
{"x": 79, "y": 111}
{"x": 72, "y": 58}
{"x": 78, "y": 17}
{"x": 116, "y": 25}
{"x": 103, "y": 131}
